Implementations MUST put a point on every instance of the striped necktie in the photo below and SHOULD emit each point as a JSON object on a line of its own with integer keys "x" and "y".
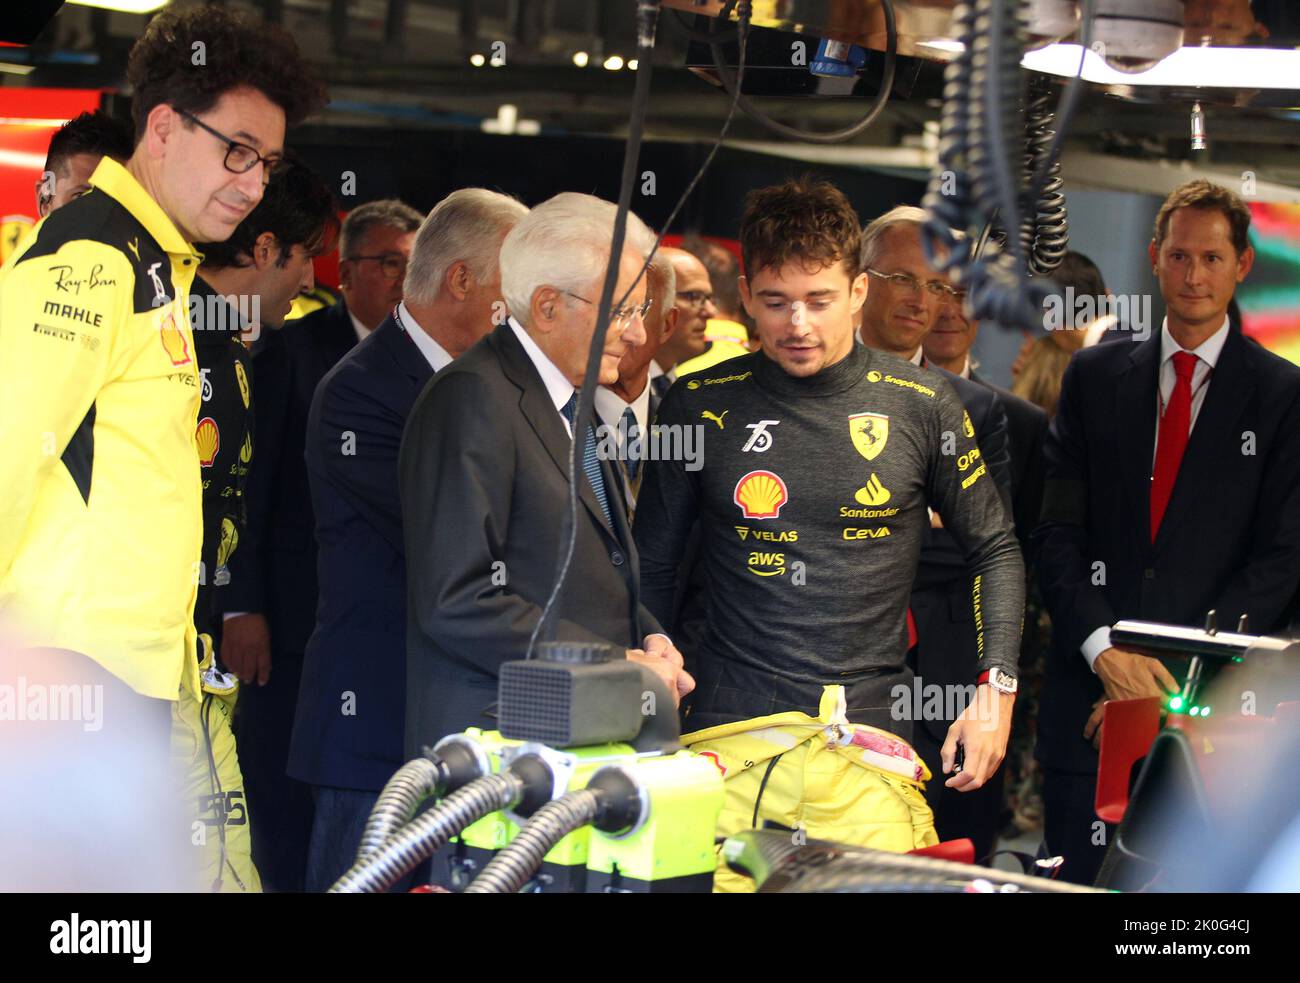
{"x": 633, "y": 431}
{"x": 590, "y": 462}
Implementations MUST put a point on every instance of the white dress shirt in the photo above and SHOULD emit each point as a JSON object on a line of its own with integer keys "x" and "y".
{"x": 433, "y": 353}
{"x": 610, "y": 407}
{"x": 558, "y": 386}
{"x": 362, "y": 331}
{"x": 1207, "y": 356}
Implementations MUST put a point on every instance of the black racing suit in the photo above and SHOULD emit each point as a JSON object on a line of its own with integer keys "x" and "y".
{"x": 225, "y": 440}
{"x": 812, "y": 502}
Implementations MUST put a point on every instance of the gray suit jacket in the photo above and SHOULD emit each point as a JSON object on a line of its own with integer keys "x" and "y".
{"x": 483, "y": 473}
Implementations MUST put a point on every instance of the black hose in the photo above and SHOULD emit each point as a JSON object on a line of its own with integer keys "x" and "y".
{"x": 510, "y": 869}
{"x": 414, "y": 782}
{"x": 835, "y": 136}
{"x": 1045, "y": 229}
{"x": 979, "y": 174}
{"x": 584, "y": 417}
{"x": 420, "y": 839}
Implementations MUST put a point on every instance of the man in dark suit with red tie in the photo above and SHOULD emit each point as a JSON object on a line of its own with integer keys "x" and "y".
{"x": 1173, "y": 487}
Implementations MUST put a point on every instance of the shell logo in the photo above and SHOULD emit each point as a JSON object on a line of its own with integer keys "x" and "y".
{"x": 208, "y": 439}
{"x": 760, "y": 495}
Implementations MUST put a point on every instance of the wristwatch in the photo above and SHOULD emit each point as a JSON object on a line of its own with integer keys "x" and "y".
{"x": 999, "y": 679}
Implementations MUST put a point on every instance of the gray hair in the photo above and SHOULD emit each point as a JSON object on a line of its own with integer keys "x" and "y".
{"x": 466, "y": 225}
{"x": 563, "y": 243}
{"x": 661, "y": 283}
{"x": 874, "y": 234}
{"x": 384, "y": 213}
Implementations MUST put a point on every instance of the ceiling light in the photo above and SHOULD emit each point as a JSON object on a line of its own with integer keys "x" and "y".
{"x": 477, "y": 60}
{"x": 613, "y": 63}
{"x": 632, "y": 64}
{"x": 124, "y": 6}
{"x": 580, "y": 58}
{"x": 1228, "y": 68}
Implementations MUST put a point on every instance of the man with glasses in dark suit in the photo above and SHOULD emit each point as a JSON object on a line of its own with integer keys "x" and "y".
{"x": 270, "y": 609}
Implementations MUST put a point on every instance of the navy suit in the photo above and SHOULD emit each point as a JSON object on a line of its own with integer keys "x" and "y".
{"x": 352, "y": 701}
{"x": 946, "y": 649}
{"x": 273, "y": 572}
{"x": 1229, "y": 540}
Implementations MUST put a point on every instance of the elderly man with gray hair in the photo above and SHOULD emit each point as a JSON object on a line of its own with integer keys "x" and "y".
{"x": 627, "y": 406}
{"x": 484, "y": 476}
{"x": 347, "y": 738}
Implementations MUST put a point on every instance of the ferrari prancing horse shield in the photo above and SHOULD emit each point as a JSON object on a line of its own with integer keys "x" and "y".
{"x": 869, "y": 432}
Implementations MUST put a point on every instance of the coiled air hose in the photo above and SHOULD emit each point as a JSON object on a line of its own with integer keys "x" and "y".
{"x": 456, "y": 760}
{"x": 510, "y": 869}
{"x": 1044, "y": 231}
{"x": 527, "y": 784}
{"x": 980, "y": 171}
{"x": 420, "y": 839}
{"x": 614, "y": 801}
{"x": 414, "y": 782}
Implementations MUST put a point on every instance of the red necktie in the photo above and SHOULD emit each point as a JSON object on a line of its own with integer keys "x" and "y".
{"x": 1171, "y": 439}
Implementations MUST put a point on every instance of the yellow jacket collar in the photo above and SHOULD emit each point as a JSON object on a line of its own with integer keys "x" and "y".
{"x": 118, "y": 183}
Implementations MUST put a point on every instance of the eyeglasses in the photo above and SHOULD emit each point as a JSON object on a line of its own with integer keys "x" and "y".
{"x": 913, "y": 286}
{"x": 696, "y": 298}
{"x": 240, "y": 157}
{"x": 393, "y": 265}
{"x": 621, "y": 317}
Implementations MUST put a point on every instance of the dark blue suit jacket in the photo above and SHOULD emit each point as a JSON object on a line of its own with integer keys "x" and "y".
{"x": 359, "y": 645}
{"x": 274, "y": 569}
{"x": 1230, "y": 538}
{"x": 947, "y": 645}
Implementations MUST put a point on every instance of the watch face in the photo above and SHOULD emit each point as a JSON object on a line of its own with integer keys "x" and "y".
{"x": 1004, "y": 681}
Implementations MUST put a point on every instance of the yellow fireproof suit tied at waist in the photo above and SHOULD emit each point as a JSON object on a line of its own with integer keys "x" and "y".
{"x": 834, "y": 780}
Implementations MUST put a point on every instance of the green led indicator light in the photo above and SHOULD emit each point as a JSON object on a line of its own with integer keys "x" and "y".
{"x": 1205, "y": 711}
{"x": 1176, "y": 703}
{"x": 1195, "y": 711}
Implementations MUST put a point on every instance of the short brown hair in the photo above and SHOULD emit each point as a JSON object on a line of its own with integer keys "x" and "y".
{"x": 809, "y": 220}
{"x": 190, "y": 58}
{"x": 1211, "y": 197}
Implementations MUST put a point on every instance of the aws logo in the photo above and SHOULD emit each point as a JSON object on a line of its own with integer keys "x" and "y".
{"x": 766, "y": 564}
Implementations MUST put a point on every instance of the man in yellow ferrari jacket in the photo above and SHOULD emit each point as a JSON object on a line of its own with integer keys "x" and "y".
{"x": 100, "y": 515}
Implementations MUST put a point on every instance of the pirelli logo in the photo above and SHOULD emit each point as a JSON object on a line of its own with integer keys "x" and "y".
{"x": 63, "y": 334}
{"x": 973, "y": 477}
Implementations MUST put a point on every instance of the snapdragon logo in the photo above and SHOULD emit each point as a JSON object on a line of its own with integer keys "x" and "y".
{"x": 1067, "y": 312}
{"x": 662, "y": 442}
{"x": 23, "y": 701}
{"x": 103, "y": 937}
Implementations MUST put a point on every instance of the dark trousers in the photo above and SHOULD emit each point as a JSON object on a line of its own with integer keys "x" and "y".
{"x": 279, "y": 807}
{"x": 976, "y": 816}
{"x": 340, "y": 819}
{"x": 1070, "y": 824}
